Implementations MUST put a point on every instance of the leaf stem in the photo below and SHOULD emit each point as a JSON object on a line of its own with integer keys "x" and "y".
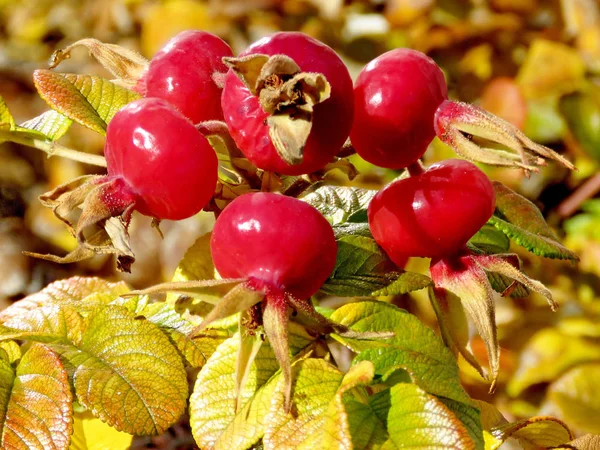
{"x": 416, "y": 168}
{"x": 54, "y": 149}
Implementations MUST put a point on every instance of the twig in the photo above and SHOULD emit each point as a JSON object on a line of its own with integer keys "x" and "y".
{"x": 587, "y": 190}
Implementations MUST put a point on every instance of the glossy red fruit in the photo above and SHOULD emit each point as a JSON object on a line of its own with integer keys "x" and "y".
{"x": 395, "y": 98}
{"x": 332, "y": 119}
{"x": 188, "y": 72}
{"x": 433, "y": 214}
{"x": 165, "y": 162}
{"x": 281, "y": 241}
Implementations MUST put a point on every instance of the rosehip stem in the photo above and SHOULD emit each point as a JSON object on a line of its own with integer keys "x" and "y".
{"x": 54, "y": 149}
{"x": 416, "y": 168}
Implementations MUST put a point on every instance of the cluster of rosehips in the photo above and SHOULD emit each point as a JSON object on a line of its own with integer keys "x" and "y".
{"x": 290, "y": 105}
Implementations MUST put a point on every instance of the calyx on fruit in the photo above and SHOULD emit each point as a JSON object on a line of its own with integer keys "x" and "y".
{"x": 465, "y": 276}
{"x": 287, "y": 94}
{"x": 457, "y": 124}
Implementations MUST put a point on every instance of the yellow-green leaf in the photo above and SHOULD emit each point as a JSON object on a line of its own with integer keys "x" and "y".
{"x": 418, "y": 420}
{"x": 90, "y": 433}
{"x": 548, "y": 354}
{"x": 213, "y": 417}
{"x": 35, "y": 402}
{"x": 70, "y": 291}
{"x": 575, "y": 397}
{"x": 127, "y": 373}
{"x": 11, "y": 351}
{"x": 414, "y": 347}
{"x": 5, "y": 115}
{"x": 587, "y": 442}
{"x": 340, "y": 204}
{"x": 535, "y": 432}
{"x": 315, "y": 383}
{"x": 51, "y": 124}
{"x": 88, "y": 100}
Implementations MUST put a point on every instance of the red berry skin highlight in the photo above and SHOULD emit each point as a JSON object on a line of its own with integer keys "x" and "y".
{"x": 185, "y": 72}
{"x": 434, "y": 214}
{"x": 169, "y": 165}
{"x": 332, "y": 119}
{"x": 395, "y": 99}
{"x": 280, "y": 241}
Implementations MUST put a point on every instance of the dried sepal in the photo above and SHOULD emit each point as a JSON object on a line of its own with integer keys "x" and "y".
{"x": 457, "y": 124}
{"x": 287, "y": 94}
{"x": 466, "y": 276}
{"x": 125, "y": 64}
{"x": 97, "y": 211}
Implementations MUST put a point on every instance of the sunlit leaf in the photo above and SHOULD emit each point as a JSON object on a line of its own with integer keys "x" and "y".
{"x": 548, "y": 354}
{"x": 415, "y": 347}
{"x": 90, "y": 433}
{"x": 523, "y": 222}
{"x": 363, "y": 269}
{"x": 340, "y": 204}
{"x": 315, "y": 383}
{"x": 10, "y": 351}
{"x": 127, "y": 373}
{"x": 52, "y": 124}
{"x": 489, "y": 240}
{"x": 35, "y": 402}
{"x": 535, "y": 432}
{"x": 87, "y": 99}
{"x": 213, "y": 415}
{"x": 587, "y": 442}
{"x": 575, "y": 397}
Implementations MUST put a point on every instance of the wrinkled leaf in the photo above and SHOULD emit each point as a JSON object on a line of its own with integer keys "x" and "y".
{"x": 340, "y": 204}
{"x": 523, "y": 222}
{"x": 415, "y": 347}
{"x": 587, "y": 442}
{"x": 315, "y": 382}
{"x": 35, "y": 402}
{"x": 213, "y": 417}
{"x": 489, "y": 240}
{"x": 126, "y": 372}
{"x": 52, "y": 124}
{"x": 362, "y": 269}
{"x": 535, "y": 432}
{"x": 88, "y": 100}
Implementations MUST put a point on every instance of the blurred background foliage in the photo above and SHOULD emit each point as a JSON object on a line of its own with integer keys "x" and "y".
{"x": 535, "y": 63}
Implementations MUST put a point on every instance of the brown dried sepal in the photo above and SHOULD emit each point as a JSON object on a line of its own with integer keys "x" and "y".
{"x": 287, "y": 94}
{"x": 97, "y": 212}
{"x": 459, "y": 124}
{"x": 126, "y": 65}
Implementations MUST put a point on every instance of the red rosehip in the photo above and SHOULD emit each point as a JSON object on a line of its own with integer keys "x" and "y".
{"x": 165, "y": 163}
{"x": 395, "y": 98}
{"x": 434, "y": 214}
{"x": 188, "y": 72}
{"x": 247, "y": 120}
{"x": 280, "y": 241}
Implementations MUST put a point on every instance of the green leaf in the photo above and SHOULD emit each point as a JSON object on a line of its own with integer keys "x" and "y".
{"x": 11, "y": 352}
{"x": 340, "y": 204}
{"x": 88, "y": 100}
{"x": 362, "y": 269}
{"x": 582, "y": 112}
{"x": 470, "y": 416}
{"x": 415, "y": 347}
{"x": 523, "y": 222}
{"x": 314, "y": 386}
{"x": 417, "y": 420}
{"x": 575, "y": 397}
{"x": 489, "y": 240}
{"x": 548, "y": 354}
{"x": 213, "y": 417}
{"x": 35, "y": 402}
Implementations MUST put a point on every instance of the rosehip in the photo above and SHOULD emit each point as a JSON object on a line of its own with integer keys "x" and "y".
{"x": 164, "y": 162}
{"x": 280, "y": 241}
{"x": 188, "y": 72}
{"x": 395, "y": 99}
{"x": 432, "y": 214}
{"x": 281, "y": 114}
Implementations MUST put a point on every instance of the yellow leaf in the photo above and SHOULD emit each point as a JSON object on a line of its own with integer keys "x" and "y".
{"x": 90, "y": 433}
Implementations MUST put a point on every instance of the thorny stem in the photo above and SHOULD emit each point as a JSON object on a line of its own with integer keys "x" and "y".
{"x": 54, "y": 149}
{"x": 416, "y": 168}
